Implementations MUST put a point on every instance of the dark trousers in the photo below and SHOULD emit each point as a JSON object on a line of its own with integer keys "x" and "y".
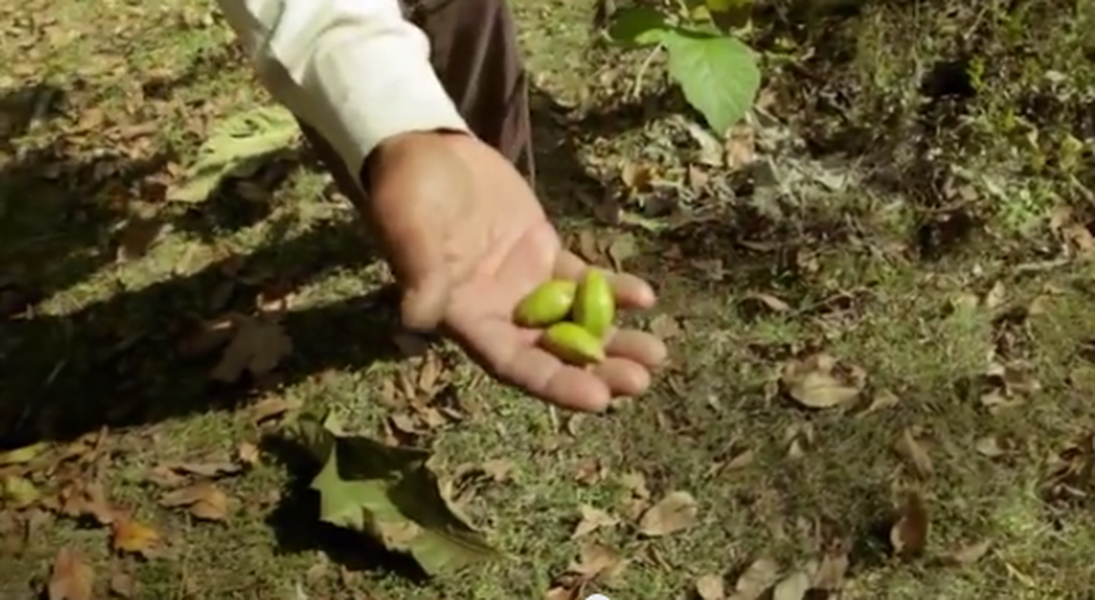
{"x": 475, "y": 55}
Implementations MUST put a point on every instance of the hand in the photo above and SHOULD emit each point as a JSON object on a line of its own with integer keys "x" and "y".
{"x": 467, "y": 239}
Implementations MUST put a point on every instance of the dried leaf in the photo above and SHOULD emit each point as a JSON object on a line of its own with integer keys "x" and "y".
{"x": 122, "y": 584}
{"x": 133, "y": 537}
{"x": 88, "y": 499}
{"x": 258, "y": 347}
{"x": 18, "y": 492}
{"x": 969, "y": 554}
{"x": 247, "y": 453}
{"x": 793, "y": 587}
{"x": 22, "y": 456}
{"x": 756, "y": 580}
{"x": 989, "y": 446}
{"x": 882, "y": 400}
{"x": 591, "y": 520}
{"x": 271, "y": 408}
{"x": 909, "y": 534}
{"x": 596, "y": 561}
{"x": 770, "y": 301}
{"x": 911, "y": 449}
{"x": 137, "y": 237}
{"x": 829, "y": 575}
{"x": 203, "y": 500}
{"x": 711, "y": 587}
{"x": 621, "y": 249}
{"x": 812, "y": 383}
{"x": 71, "y": 578}
{"x": 675, "y": 512}
{"x": 665, "y": 327}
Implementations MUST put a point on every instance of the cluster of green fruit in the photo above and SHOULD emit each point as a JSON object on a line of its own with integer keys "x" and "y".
{"x": 576, "y": 316}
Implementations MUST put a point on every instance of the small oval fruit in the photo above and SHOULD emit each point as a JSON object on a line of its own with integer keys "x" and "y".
{"x": 573, "y": 344}
{"x": 547, "y": 304}
{"x": 594, "y": 303}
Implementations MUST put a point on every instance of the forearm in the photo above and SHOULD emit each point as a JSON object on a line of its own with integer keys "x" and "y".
{"x": 355, "y": 70}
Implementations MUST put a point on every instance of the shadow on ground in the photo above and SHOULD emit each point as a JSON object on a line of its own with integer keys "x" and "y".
{"x": 117, "y": 362}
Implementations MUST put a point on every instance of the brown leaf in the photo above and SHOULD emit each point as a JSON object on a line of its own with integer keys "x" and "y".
{"x": 773, "y": 303}
{"x": 711, "y": 587}
{"x": 271, "y": 407}
{"x": 204, "y": 501}
{"x": 755, "y": 581}
{"x": 990, "y": 446}
{"x": 792, "y": 587}
{"x": 915, "y": 453}
{"x": 88, "y": 499}
{"x": 133, "y": 537}
{"x": 591, "y": 520}
{"x": 137, "y": 236}
{"x": 637, "y": 176}
{"x": 23, "y": 455}
{"x": 18, "y": 492}
{"x": 882, "y": 400}
{"x": 665, "y": 327}
{"x": 812, "y": 382}
{"x": 122, "y": 583}
{"x": 830, "y": 573}
{"x": 247, "y": 453}
{"x": 209, "y": 336}
{"x": 499, "y": 469}
{"x": 208, "y": 469}
{"x": 969, "y": 554}
{"x": 675, "y": 512}
{"x": 621, "y": 249}
{"x": 596, "y": 561}
{"x": 909, "y": 534}
{"x": 71, "y": 578}
{"x": 257, "y": 347}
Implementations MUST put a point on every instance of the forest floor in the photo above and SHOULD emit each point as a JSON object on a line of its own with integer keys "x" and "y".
{"x": 912, "y": 228}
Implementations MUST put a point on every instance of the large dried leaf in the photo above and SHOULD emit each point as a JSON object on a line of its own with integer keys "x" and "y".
{"x": 235, "y": 148}
{"x": 390, "y": 494}
{"x": 676, "y": 511}
{"x": 814, "y": 383}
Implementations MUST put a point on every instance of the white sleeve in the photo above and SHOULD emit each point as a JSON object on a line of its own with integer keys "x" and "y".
{"x": 355, "y": 70}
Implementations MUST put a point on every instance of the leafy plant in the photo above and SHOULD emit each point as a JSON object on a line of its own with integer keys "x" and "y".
{"x": 717, "y": 72}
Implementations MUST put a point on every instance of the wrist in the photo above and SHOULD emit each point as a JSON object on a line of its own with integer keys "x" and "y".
{"x": 399, "y": 145}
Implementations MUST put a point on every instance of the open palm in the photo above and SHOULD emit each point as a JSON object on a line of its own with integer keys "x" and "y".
{"x": 480, "y": 317}
{"x": 468, "y": 239}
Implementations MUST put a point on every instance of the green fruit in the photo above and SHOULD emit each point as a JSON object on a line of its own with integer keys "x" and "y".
{"x": 595, "y": 304}
{"x": 573, "y": 344}
{"x": 547, "y": 304}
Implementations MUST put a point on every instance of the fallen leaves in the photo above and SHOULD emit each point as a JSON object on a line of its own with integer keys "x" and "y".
{"x": 910, "y": 448}
{"x": 909, "y": 533}
{"x": 819, "y": 381}
{"x": 596, "y": 563}
{"x": 71, "y": 577}
{"x": 257, "y": 347}
{"x": 591, "y": 520}
{"x": 676, "y": 511}
{"x": 133, "y": 537}
{"x": 390, "y": 494}
{"x": 203, "y": 500}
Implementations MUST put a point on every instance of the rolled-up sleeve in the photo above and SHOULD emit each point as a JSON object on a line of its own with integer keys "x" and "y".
{"x": 355, "y": 70}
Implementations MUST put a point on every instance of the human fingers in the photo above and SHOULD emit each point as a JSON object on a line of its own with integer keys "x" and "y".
{"x": 631, "y": 292}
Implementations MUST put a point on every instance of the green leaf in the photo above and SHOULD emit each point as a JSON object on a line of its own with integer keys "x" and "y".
{"x": 718, "y": 75}
{"x": 639, "y": 25}
{"x": 235, "y": 147}
{"x": 391, "y": 494}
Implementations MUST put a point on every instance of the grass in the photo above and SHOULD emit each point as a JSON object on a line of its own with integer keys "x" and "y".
{"x": 958, "y": 145}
